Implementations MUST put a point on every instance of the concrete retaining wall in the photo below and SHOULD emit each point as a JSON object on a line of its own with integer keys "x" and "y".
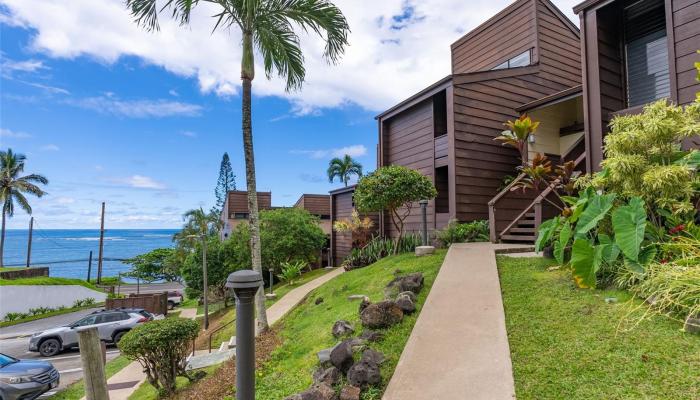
{"x": 21, "y": 298}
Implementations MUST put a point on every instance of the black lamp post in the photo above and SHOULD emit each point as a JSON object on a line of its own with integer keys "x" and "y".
{"x": 245, "y": 284}
{"x": 424, "y": 226}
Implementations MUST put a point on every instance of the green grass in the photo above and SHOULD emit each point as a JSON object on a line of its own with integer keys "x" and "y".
{"x": 7, "y": 269}
{"x": 307, "y": 329}
{"x": 48, "y": 314}
{"x": 76, "y": 391}
{"x": 146, "y": 392}
{"x": 565, "y": 342}
{"x": 45, "y": 280}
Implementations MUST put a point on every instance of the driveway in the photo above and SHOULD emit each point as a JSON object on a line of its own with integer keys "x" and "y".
{"x": 14, "y": 341}
{"x": 149, "y": 288}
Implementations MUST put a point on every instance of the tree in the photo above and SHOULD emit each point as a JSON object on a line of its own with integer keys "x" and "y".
{"x": 156, "y": 265}
{"x": 14, "y": 187}
{"x": 268, "y": 26}
{"x": 393, "y": 189}
{"x": 343, "y": 169}
{"x": 226, "y": 183}
{"x": 222, "y": 259}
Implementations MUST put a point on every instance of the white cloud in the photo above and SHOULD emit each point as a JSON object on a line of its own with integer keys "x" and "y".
{"x": 357, "y": 150}
{"x": 397, "y": 46}
{"x": 188, "y": 134}
{"x": 173, "y": 93}
{"x": 109, "y": 104}
{"x": 22, "y": 66}
{"x": 6, "y": 133}
{"x": 50, "y": 147}
{"x": 141, "y": 182}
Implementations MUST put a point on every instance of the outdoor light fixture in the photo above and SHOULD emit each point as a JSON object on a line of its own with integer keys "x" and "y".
{"x": 424, "y": 226}
{"x": 531, "y": 139}
{"x": 245, "y": 285}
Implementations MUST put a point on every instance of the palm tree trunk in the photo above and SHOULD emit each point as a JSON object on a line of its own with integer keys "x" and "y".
{"x": 2, "y": 239}
{"x": 247, "y": 74}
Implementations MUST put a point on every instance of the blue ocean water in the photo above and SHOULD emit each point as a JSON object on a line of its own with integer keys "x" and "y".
{"x": 66, "y": 251}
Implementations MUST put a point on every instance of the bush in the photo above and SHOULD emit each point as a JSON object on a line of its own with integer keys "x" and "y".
{"x": 291, "y": 270}
{"x": 161, "y": 347}
{"x": 454, "y": 232}
{"x": 378, "y": 248}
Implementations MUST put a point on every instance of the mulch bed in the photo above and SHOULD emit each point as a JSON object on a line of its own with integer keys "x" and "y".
{"x": 221, "y": 383}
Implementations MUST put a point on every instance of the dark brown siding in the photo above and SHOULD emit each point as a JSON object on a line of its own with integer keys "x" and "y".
{"x": 409, "y": 141}
{"x": 341, "y": 208}
{"x": 480, "y": 109}
{"x": 686, "y": 36}
{"x": 316, "y": 204}
{"x": 507, "y": 34}
{"x": 559, "y": 46}
{"x": 238, "y": 202}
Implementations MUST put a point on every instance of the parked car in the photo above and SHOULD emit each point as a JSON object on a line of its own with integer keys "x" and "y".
{"x": 111, "y": 326}
{"x": 25, "y": 379}
{"x": 175, "y": 298}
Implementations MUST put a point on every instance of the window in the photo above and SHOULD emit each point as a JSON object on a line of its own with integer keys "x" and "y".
{"x": 646, "y": 52}
{"x": 240, "y": 215}
{"x": 89, "y": 320}
{"x": 440, "y": 114}
{"x": 521, "y": 60}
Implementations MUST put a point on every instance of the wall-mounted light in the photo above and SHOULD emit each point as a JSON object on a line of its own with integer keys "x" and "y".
{"x": 531, "y": 139}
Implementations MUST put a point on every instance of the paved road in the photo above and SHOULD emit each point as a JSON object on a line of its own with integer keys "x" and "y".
{"x": 15, "y": 342}
{"x": 150, "y": 288}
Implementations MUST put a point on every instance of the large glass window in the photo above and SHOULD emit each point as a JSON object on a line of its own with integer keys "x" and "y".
{"x": 646, "y": 52}
{"x": 521, "y": 60}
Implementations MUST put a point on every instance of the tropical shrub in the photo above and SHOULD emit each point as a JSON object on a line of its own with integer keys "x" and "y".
{"x": 394, "y": 189}
{"x": 291, "y": 270}
{"x": 517, "y": 135}
{"x": 359, "y": 228}
{"x": 223, "y": 257}
{"x": 455, "y": 232}
{"x": 14, "y": 316}
{"x": 378, "y": 248}
{"x": 161, "y": 347}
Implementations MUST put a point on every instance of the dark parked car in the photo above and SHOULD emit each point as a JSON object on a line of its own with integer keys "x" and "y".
{"x": 25, "y": 379}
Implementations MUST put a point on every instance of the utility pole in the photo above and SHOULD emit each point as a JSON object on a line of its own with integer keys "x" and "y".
{"x": 89, "y": 266}
{"x": 29, "y": 242}
{"x": 102, "y": 238}
{"x": 206, "y": 282}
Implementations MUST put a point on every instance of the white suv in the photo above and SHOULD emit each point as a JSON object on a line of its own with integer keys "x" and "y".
{"x": 111, "y": 326}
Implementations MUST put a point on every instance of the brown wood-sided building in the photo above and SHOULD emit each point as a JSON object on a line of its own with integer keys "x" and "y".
{"x": 235, "y": 209}
{"x": 318, "y": 205}
{"x": 342, "y": 205}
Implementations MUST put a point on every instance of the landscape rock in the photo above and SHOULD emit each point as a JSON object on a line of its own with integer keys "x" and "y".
{"x": 350, "y": 393}
{"x": 404, "y": 302}
{"x": 318, "y": 301}
{"x": 364, "y": 374}
{"x": 424, "y": 250}
{"x": 357, "y": 297}
{"x": 341, "y": 356}
{"x": 330, "y": 376}
{"x": 410, "y": 295}
{"x": 372, "y": 356}
{"x": 381, "y": 315}
{"x": 364, "y": 303}
{"x": 692, "y": 324}
{"x": 357, "y": 344}
{"x": 407, "y": 283}
{"x": 324, "y": 356}
{"x": 318, "y": 391}
{"x": 342, "y": 328}
{"x": 372, "y": 336}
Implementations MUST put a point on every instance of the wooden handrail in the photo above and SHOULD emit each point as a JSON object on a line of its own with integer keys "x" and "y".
{"x": 503, "y": 192}
{"x": 572, "y": 147}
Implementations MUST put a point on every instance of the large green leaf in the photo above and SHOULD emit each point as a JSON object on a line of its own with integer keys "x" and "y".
{"x": 545, "y": 232}
{"x": 646, "y": 256}
{"x": 585, "y": 260}
{"x": 610, "y": 252}
{"x": 562, "y": 242}
{"x": 629, "y": 223}
{"x": 595, "y": 211}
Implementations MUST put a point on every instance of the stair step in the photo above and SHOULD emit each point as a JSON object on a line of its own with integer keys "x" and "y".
{"x": 530, "y": 215}
{"x": 519, "y": 238}
{"x": 232, "y": 342}
{"x": 520, "y": 229}
{"x": 526, "y": 223}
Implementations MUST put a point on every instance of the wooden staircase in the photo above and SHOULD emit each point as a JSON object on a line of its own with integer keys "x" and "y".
{"x": 523, "y": 231}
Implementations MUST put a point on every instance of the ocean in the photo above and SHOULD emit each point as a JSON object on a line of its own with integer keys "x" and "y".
{"x": 66, "y": 251}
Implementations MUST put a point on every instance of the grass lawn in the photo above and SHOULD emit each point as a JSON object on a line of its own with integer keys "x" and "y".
{"x": 45, "y": 280}
{"x": 307, "y": 329}
{"x": 76, "y": 390}
{"x": 565, "y": 342}
{"x": 48, "y": 314}
{"x": 147, "y": 392}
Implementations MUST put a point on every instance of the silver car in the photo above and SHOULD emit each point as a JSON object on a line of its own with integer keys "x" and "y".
{"x": 111, "y": 326}
{"x": 25, "y": 379}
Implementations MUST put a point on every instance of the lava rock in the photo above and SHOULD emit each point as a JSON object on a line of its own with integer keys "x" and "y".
{"x": 342, "y": 328}
{"x": 372, "y": 336}
{"x": 330, "y": 376}
{"x": 357, "y": 297}
{"x": 350, "y": 393}
{"x": 319, "y": 391}
{"x": 341, "y": 356}
{"x": 364, "y": 303}
{"x": 318, "y": 301}
{"x": 364, "y": 374}
{"x": 372, "y": 356}
{"x": 404, "y": 302}
{"x": 692, "y": 324}
{"x": 381, "y": 315}
{"x": 410, "y": 295}
{"x": 324, "y": 356}
{"x": 407, "y": 283}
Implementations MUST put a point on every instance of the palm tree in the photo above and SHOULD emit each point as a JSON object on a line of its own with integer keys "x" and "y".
{"x": 268, "y": 26}
{"x": 13, "y": 188}
{"x": 343, "y": 169}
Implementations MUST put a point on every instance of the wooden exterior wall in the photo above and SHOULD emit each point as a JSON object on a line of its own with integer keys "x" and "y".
{"x": 316, "y": 204}
{"x": 341, "y": 207}
{"x": 238, "y": 201}
{"x": 603, "y": 64}
{"x": 507, "y": 34}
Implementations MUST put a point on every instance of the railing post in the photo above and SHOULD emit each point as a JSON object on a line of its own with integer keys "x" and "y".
{"x": 538, "y": 215}
{"x": 492, "y": 223}
{"x": 93, "y": 364}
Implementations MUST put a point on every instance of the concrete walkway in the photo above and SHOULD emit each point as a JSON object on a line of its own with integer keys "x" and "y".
{"x": 190, "y": 313}
{"x": 459, "y": 347}
{"x": 122, "y": 384}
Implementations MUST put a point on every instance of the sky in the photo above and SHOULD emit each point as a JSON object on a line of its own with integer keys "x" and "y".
{"x": 140, "y": 120}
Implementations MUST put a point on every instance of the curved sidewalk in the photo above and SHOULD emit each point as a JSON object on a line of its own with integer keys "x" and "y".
{"x": 459, "y": 347}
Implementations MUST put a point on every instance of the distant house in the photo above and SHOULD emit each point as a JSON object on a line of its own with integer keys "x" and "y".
{"x": 235, "y": 209}
{"x": 318, "y": 205}
{"x": 341, "y": 207}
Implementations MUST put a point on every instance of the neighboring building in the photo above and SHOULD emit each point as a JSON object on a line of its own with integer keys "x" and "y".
{"x": 235, "y": 209}
{"x": 342, "y": 205}
{"x": 318, "y": 205}
{"x": 527, "y": 51}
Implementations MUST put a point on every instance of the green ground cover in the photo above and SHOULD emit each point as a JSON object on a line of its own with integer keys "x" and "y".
{"x": 45, "y": 280}
{"x": 307, "y": 329}
{"x": 569, "y": 343}
{"x": 76, "y": 391}
{"x": 48, "y": 314}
